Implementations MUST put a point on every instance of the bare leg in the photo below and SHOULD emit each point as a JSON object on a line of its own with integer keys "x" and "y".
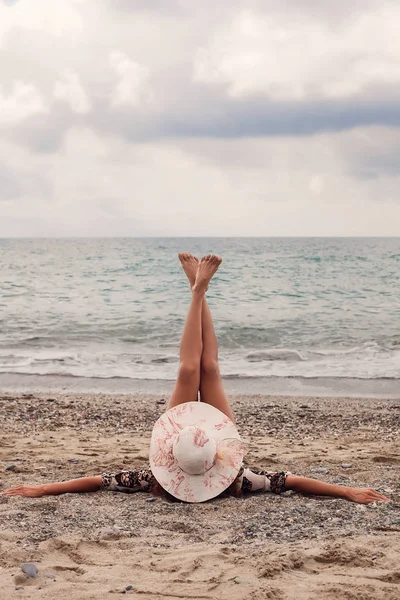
{"x": 188, "y": 382}
{"x": 211, "y": 388}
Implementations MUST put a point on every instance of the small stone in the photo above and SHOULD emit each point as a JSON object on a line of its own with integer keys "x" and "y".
{"x": 50, "y": 575}
{"x": 11, "y": 467}
{"x": 107, "y": 532}
{"x": 74, "y": 460}
{"x": 30, "y": 569}
{"x": 151, "y": 499}
{"x": 374, "y": 557}
{"x": 238, "y": 580}
{"x": 346, "y": 465}
{"x": 319, "y": 470}
{"x": 19, "y": 587}
{"x": 129, "y": 588}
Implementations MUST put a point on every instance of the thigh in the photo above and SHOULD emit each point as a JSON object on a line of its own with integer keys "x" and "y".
{"x": 184, "y": 391}
{"x": 212, "y": 391}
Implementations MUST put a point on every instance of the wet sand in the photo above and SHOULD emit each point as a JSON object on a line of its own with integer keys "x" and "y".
{"x": 265, "y": 546}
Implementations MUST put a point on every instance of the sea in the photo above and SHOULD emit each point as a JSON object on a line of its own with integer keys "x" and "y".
{"x": 290, "y": 314}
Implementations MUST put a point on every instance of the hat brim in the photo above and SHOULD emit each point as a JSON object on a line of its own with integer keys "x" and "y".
{"x": 181, "y": 485}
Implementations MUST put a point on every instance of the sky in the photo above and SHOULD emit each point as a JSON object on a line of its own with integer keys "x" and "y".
{"x": 186, "y": 118}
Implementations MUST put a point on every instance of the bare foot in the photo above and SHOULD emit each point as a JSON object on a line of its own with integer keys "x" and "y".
{"x": 33, "y": 491}
{"x": 206, "y": 268}
{"x": 189, "y": 265}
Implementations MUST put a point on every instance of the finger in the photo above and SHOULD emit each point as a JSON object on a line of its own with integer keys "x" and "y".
{"x": 377, "y": 494}
{"x": 378, "y": 498}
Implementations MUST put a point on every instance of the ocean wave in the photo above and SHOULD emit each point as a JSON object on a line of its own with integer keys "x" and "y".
{"x": 275, "y": 354}
{"x": 231, "y": 376}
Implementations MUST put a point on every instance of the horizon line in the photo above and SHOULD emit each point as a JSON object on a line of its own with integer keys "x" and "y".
{"x": 120, "y": 237}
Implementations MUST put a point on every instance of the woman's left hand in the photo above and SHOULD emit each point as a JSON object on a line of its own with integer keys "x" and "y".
{"x": 365, "y": 495}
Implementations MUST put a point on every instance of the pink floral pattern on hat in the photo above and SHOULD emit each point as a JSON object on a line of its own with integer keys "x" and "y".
{"x": 211, "y": 423}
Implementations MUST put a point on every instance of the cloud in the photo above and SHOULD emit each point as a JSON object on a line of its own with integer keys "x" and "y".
{"x": 10, "y": 185}
{"x": 132, "y": 88}
{"x": 272, "y": 186}
{"x": 49, "y": 17}
{"x": 274, "y": 69}
{"x": 70, "y": 90}
{"x": 295, "y": 57}
{"x": 18, "y": 182}
{"x": 171, "y": 118}
{"x": 23, "y": 101}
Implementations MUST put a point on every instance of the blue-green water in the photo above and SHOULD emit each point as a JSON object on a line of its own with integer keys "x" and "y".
{"x": 282, "y": 307}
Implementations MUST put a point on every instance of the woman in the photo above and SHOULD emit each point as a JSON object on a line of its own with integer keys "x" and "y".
{"x": 195, "y": 451}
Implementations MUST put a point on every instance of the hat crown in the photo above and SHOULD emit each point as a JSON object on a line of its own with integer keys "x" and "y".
{"x": 194, "y": 450}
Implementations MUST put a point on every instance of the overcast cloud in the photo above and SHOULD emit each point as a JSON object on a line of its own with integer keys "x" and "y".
{"x": 175, "y": 117}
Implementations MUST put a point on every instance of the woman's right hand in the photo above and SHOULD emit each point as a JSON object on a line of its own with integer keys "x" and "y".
{"x": 365, "y": 495}
{"x": 32, "y": 491}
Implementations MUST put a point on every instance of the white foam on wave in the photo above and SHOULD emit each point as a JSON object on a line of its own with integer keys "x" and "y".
{"x": 275, "y": 354}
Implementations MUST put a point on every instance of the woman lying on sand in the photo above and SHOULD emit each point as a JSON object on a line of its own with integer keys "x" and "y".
{"x": 195, "y": 452}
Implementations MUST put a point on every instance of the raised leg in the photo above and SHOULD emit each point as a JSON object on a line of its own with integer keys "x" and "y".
{"x": 211, "y": 388}
{"x": 191, "y": 348}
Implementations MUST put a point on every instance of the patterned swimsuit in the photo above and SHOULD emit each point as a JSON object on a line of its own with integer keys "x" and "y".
{"x": 143, "y": 480}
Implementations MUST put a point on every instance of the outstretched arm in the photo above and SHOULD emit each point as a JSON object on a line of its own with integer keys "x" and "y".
{"x": 320, "y": 488}
{"x": 83, "y": 484}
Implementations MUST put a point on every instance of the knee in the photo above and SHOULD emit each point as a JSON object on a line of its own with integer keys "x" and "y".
{"x": 187, "y": 371}
{"x": 210, "y": 367}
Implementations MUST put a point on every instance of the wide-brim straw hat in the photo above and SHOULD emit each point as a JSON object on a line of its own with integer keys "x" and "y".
{"x": 195, "y": 451}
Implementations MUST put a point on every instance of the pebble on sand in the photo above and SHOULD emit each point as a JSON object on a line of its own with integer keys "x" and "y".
{"x": 319, "y": 470}
{"x": 30, "y": 569}
{"x": 11, "y": 467}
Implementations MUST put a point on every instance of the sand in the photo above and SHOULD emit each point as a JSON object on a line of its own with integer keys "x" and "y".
{"x": 262, "y": 546}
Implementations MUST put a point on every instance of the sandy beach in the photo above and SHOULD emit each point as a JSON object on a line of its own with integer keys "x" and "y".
{"x": 265, "y": 546}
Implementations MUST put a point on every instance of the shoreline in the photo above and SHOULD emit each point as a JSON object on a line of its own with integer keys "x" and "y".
{"x": 384, "y": 388}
